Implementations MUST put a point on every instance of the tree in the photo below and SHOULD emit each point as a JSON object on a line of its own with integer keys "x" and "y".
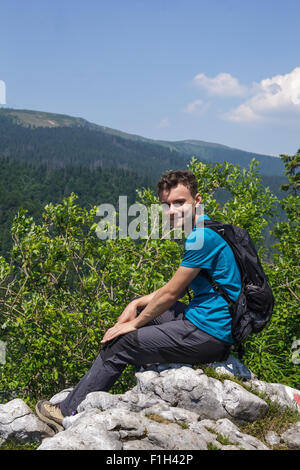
{"x": 292, "y": 163}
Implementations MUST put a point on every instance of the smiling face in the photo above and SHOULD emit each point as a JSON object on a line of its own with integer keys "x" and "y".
{"x": 180, "y": 206}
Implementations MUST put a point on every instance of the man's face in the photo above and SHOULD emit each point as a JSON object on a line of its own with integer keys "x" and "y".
{"x": 179, "y": 205}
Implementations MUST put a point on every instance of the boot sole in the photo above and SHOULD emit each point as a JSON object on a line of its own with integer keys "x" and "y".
{"x": 53, "y": 424}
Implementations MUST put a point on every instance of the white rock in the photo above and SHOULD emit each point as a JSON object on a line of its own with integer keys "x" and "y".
{"x": 282, "y": 394}
{"x": 272, "y": 438}
{"x": 241, "y": 404}
{"x": 19, "y": 424}
{"x": 60, "y": 396}
{"x": 291, "y": 437}
{"x": 244, "y": 441}
{"x": 173, "y": 437}
{"x": 87, "y": 432}
{"x": 172, "y": 413}
{"x": 181, "y": 394}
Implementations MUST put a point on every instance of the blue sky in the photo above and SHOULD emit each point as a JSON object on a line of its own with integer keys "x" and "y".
{"x": 224, "y": 71}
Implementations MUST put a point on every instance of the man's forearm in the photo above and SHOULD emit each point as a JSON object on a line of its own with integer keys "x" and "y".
{"x": 145, "y": 299}
{"x": 159, "y": 303}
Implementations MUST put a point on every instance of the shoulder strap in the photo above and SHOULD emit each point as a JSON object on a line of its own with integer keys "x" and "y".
{"x": 218, "y": 288}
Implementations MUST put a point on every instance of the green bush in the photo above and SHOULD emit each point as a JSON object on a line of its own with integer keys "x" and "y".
{"x": 63, "y": 289}
{"x": 269, "y": 354}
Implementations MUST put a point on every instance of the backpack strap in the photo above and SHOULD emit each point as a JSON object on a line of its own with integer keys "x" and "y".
{"x": 237, "y": 347}
{"x": 218, "y": 289}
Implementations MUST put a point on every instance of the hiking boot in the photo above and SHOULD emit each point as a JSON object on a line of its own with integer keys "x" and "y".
{"x": 50, "y": 414}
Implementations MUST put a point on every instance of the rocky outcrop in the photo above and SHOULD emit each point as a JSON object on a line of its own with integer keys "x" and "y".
{"x": 282, "y": 394}
{"x": 172, "y": 407}
{"x": 19, "y": 424}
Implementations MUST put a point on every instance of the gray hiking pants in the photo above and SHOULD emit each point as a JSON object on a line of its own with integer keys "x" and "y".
{"x": 168, "y": 338}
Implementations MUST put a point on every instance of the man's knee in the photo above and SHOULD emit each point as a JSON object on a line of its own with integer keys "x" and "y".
{"x": 121, "y": 344}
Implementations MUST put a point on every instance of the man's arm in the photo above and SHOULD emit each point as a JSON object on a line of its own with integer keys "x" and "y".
{"x": 159, "y": 302}
{"x": 167, "y": 295}
{"x": 145, "y": 299}
{"x": 130, "y": 311}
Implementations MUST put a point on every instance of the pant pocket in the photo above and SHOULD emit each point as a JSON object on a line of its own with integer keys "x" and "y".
{"x": 190, "y": 329}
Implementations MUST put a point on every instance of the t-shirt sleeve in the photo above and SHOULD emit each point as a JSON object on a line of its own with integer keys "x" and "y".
{"x": 201, "y": 249}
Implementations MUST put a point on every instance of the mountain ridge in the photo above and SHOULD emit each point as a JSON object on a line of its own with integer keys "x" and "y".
{"x": 206, "y": 151}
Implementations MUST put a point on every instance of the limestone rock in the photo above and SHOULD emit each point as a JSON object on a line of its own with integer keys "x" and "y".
{"x": 226, "y": 429}
{"x": 19, "y": 424}
{"x": 172, "y": 407}
{"x": 282, "y": 394}
{"x": 193, "y": 390}
{"x": 241, "y": 404}
{"x": 87, "y": 432}
{"x": 172, "y": 437}
{"x": 292, "y": 437}
{"x": 272, "y": 438}
{"x": 60, "y": 396}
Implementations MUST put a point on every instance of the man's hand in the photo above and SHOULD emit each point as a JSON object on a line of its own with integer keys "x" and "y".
{"x": 118, "y": 329}
{"x": 157, "y": 302}
{"x": 129, "y": 313}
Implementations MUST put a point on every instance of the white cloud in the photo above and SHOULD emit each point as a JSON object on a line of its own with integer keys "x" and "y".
{"x": 223, "y": 84}
{"x": 196, "y": 107}
{"x": 271, "y": 97}
{"x": 243, "y": 113}
{"x": 164, "y": 122}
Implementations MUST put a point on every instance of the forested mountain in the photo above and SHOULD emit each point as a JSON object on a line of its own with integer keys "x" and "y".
{"x": 59, "y": 140}
{"x": 33, "y": 186}
{"x": 79, "y": 143}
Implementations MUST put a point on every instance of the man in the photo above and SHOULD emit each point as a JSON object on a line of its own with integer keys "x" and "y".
{"x": 166, "y": 330}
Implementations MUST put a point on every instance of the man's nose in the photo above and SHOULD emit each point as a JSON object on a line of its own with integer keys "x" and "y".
{"x": 173, "y": 209}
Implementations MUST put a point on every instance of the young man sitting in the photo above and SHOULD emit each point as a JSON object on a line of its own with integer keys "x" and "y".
{"x": 166, "y": 330}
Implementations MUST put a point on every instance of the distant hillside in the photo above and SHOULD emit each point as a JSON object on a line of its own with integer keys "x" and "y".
{"x": 58, "y": 140}
{"x": 34, "y": 186}
{"x": 218, "y": 153}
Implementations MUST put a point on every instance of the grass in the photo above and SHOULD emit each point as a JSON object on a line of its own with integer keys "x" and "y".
{"x": 160, "y": 419}
{"x": 11, "y": 445}
{"x": 223, "y": 440}
{"x": 211, "y": 446}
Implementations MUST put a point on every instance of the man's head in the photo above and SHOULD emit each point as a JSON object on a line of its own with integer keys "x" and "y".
{"x": 177, "y": 191}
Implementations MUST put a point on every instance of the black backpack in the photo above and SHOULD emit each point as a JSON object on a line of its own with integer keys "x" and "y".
{"x": 254, "y": 306}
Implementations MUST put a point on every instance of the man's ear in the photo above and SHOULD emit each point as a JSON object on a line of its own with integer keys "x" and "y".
{"x": 198, "y": 199}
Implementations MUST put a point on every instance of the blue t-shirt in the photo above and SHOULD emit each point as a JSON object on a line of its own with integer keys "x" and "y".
{"x": 208, "y": 310}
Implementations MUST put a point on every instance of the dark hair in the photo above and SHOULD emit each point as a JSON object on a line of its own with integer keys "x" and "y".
{"x": 170, "y": 179}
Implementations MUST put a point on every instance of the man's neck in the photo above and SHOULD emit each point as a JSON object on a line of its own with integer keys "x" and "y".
{"x": 197, "y": 219}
